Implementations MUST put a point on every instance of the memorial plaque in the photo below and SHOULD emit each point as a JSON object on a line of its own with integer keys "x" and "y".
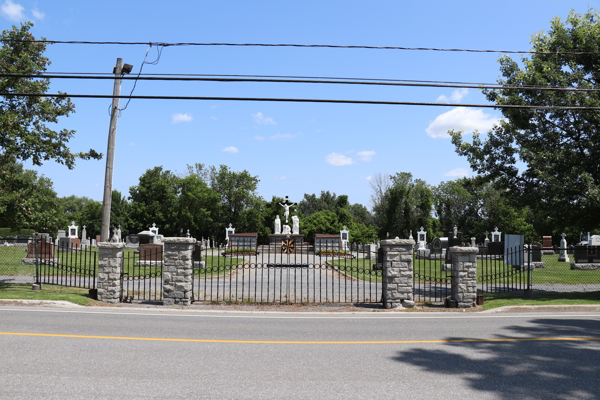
{"x": 151, "y": 252}
{"x": 547, "y": 240}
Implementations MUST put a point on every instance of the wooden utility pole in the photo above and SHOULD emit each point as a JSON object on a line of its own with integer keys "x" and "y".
{"x": 112, "y": 134}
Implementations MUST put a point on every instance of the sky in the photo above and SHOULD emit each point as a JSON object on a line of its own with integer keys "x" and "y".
{"x": 294, "y": 148}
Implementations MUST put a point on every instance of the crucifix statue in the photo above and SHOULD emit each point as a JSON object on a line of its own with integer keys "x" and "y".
{"x": 286, "y": 205}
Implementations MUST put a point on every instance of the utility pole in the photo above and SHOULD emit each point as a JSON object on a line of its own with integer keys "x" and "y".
{"x": 112, "y": 134}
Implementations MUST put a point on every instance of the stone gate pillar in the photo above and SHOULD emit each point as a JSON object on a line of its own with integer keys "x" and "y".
{"x": 398, "y": 273}
{"x": 178, "y": 267}
{"x": 464, "y": 276}
{"x": 109, "y": 271}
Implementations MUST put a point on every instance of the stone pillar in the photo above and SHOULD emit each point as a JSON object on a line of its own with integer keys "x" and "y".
{"x": 398, "y": 273}
{"x": 177, "y": 275}
{"x": 109, "y": 274}
{"x": 464, "y": 275}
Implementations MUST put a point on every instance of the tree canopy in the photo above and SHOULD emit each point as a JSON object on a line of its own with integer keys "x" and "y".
{"x": 24, "y": 130}
{"x": 548, "y": 159}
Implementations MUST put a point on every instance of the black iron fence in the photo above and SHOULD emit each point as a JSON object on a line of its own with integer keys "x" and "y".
{"x": 142, "y": 274}
{"x": 432, "y": 277}
{"x": 287, "y": 272}
{"x": 43, "y": 262}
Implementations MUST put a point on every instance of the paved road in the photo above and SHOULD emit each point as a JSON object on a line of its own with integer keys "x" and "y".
{"x": 115, "y": 353}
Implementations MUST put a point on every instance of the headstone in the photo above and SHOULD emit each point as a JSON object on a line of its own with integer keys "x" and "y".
{"x": 486, "y": 240}
{"x": 229, "y": 231}
{"x": 439, "y": 245}
{"x": 64, "y": 242}
{"x": 94, "y": 242}
{"x": 455, "y": 238}
{"x": 563, "y": 256}
{"x": 295, "y": 225}
{"x": 595, "y": 240}
{"x": 277, "y": 225}
{"x": 153, "y": 229}
{"x": 344, "y": 237}
{"x": 496, "y": 236}
{"x": 473, "y": 242}
{"x": 547, "y": 242}
{"x": 421, "y": 239}
{"x": 73, "y": 230}
{"x": 514, "y": 246}
{"x": 536, "y": 252}
{"x": 61, "y": 233}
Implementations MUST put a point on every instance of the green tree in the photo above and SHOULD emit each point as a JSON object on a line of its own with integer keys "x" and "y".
{"x": 155, "y": 200}
{"x": 24, "y": 134}
{"x": 548, "y": 159}
{"x": 28, "y": 200}
{"x": 311, "y": 204}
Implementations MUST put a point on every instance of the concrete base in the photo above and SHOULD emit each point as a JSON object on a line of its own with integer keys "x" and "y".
{"x": 584, "y": 266}
{"x": 199, "y": 264}
{"x": 43, "y": 261}
{"x": 36, "y": 286}
{"x": 562, "y": 258}
{"x": 548, "y": 252}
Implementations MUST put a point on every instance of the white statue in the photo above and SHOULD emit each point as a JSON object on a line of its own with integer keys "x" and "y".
{"x": 286, "y": 206}
{"x": 277, "y": 225}
{"x": 455, "y": 231}
{"x": 295, "y": 225}
{"x": 119, "y": 233}
{"x": 286, "y": 230}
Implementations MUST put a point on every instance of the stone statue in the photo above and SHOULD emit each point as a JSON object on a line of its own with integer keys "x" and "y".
{"x": 119, "y": 233}
{"x": 455, "y": 231}
{"x": 564, "y": 256}
{"x": 295, "y": 225}
{"x": 286, "y": 230}
{"x": 114, "y": 238}
{"x": 277, "y": 225}
{"x": 286, "y": 206}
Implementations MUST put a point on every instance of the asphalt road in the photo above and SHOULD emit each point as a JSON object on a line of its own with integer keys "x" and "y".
{"x": 98, "y": 353}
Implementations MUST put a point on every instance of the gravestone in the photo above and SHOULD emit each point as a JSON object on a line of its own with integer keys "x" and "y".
{"x": 595, "y": 240}
{"x": 73, "y": 231}
{"x": 547, "y": 242}
{"x": 344, "y": 237}
{"x": 486, "y": 240}
{"x": 455, "y": 238}
{"x": 514, "y": 246}
{"x": 229, "y": 231}
{"x": 496, "y": 236}
{"x": 563, "y": 257}
{"x": 421, "y": 239}
{"x": 439, "y": 245}
{"x": 64, "y": 242}
{"x": 536, "y": 252}
{"x": 243, "y": 241}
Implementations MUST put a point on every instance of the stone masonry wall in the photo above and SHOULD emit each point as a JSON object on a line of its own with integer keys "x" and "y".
{"x": 109, "y": 271}
{"x": 398, "y": 273}
{"x": 464, "y": 275}
{"x": 177, "y": 275}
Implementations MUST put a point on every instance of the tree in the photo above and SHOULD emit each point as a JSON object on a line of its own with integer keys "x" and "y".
{"x": 24, "y": 133}
{"x": 28, "y": 200}
{"x": 404, "y": 206}
{"x": 560, "y": 149}
{"x": 326, "y": 201}
{"x": 155, "y": 200}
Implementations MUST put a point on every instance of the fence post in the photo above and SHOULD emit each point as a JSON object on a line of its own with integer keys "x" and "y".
{"x": 397, "y": 273}
{"x": 109, "y": 271}
{"x": 464, "y": 276}
{"x": 178, "y": 268}
{"x": 528, "y": 294}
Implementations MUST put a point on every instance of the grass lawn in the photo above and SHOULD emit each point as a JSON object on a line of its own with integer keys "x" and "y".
{"x": 540, "y": 299}
{"x": 48, "y": 292}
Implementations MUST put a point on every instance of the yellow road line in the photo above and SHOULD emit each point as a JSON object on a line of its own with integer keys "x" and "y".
{"x": 303, "y": 342}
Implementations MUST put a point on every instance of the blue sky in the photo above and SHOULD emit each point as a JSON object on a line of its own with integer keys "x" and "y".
{"x": 294, "y": 148}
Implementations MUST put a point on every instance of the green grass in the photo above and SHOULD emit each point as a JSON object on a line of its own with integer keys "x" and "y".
{"x": 540, "y": 299}
{"x": 48, "y": 292}
{"x": 217, "y": 266}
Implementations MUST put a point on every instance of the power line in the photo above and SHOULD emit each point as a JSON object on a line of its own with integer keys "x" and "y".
{"x": 319, "y": 81}
{"x": 296, "y": 100}
{"x": 301, "y": 77}
{"x": 331, "y": 46}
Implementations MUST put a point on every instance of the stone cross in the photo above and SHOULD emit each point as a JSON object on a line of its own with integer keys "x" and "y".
{"x": 286, "y": 205}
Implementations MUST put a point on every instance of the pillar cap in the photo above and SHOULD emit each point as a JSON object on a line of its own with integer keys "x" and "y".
{"x": 397, "y": 242}
{"x": 467, "y": 250}
{"x": 110, "y": 245}
{"x": 179, "y": 240}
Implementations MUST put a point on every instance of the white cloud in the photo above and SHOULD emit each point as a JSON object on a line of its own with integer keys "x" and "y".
{"x": 461, "y": 118}
{"x": 283, "y": 136}
{"x": 455, "y": 97}
{"x": 231, "y": 150}
{"x": 258, "y": 137}
{"x": 177, "y": 118}
{"x": 13, "y": 11}
{"x": 338, "y": 160}
{"x": 37, "y": 14}
{"x": 458, "y": 172}
{"x": 260, "y": 118}
{"x": 366, "y": 155}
